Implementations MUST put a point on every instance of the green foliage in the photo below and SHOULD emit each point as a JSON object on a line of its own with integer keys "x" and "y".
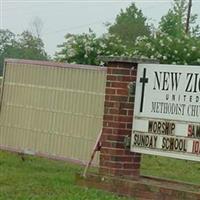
{"x": 7, "y": 45}
{"x": 170, "y": 50}
{"x": 31, "y": 47}
{"x": 7, "y": 38}
{"x": 171, "y": 45}
{"x": 87, "y": 47}
{"x": 130, "y": 36}
{"x": 174, "y": 22}
{"x": 24, "y": 46}
{"x": 130, "y": 24}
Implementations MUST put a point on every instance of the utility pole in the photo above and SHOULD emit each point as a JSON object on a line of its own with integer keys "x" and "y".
{"x": 188, "y": 16}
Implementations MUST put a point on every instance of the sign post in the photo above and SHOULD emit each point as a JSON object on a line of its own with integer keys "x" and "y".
{"x": 167, "y": 111}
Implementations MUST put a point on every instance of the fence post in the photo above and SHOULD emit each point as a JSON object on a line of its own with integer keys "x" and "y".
{"x": 115, "y": 159}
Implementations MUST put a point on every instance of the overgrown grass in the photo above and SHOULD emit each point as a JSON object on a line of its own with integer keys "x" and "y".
{"x": 179, "y": 170}
{"x": 38, "y": 178}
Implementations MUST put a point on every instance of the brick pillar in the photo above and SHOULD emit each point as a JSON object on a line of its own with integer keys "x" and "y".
{"x": 117, "y": 121}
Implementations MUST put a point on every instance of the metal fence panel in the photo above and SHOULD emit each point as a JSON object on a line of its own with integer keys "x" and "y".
{"x": 51, "y": 108}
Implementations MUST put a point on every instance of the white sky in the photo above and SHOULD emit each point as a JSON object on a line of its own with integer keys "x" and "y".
{"x": 63, "y": 16}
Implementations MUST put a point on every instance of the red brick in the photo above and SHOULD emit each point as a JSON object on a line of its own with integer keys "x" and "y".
{"x": 115, "y": 138}
{"x": 121, "y": 65}
{"x": 123, "y": 112}
{"x": 119, "y": 85}
{"x": 128, "y": 152}
{"x": 118, "y": 116}
{"x": 119, "y": 78}
{"x": 133, "y": 165}
{"x": 147, "y": 195}
{"x": 110, "y": 91}
{"x": 119, "y": 98}
{"x": 166, "y": 191}
{"x": 111, "y": 78}
{"x": 113, "y": 164}
{"x": 123, "y": 92}
{"x": 107, "y": 130}
{"x": 129, "y": 174}
{"x": 109, "y": 103}
{"x": 127, "y": 105}
{"x": 117, "y": 104}
{"x": 113, "y": 111}
{"x": 105, "y": 157}
{"x": 137, "y": 157}
{"x": 118, "y": 145}
{"x": 108, "y": 84}
{"x": 109, "y": 70}
{"x": 124, "y": 172}
{"x": 130, "y": 112}
{"x": 104, "y": 136}
{"x": 125, "y": 119}
{"x": 113, "y": 144}
{"x": 133, "y": 72}
{"x": 129, "y": 125}
{"x": 128, "y": 78}
{"x": 106, "y": 144}
{"x": 112, "y": 151}
{"x": 107, "y": 98}
{"x": 122, "y": 159}
{"x": 108, "y": 117}
{"x": 111, "y": 124}
{"x": 121, "y": 71}
{"x": 122, "y": 131}
{"x": 122, "y": 125}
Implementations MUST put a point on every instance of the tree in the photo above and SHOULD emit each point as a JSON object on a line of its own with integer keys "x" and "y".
{"x": 174, "y": 22}
{"x": 170, "y": 50}
{"x": 171, "y": 44}
{"x": 7, "y": 45}
{"x": 87, "y": 47}
{"x": 130, "y": 24}
{"x": 25, "y": 46}
{"x": 36, "y": 26}
{"x": 31, "y": 47}
{"x": 6, "y": 38}
{"x": 119, "y": 41}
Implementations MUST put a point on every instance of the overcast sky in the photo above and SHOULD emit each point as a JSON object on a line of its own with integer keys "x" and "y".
{"x": 63, "y": 16}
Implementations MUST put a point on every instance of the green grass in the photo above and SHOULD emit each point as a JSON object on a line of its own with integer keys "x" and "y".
{"x": 179, "y": 170}
{"x": 39, "y": 178}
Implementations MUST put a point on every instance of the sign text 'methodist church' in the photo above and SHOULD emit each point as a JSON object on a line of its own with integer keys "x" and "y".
{"x": 167, "y": 111}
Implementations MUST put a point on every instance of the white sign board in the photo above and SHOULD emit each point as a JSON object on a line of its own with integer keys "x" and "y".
{"x": 167, "y": 111}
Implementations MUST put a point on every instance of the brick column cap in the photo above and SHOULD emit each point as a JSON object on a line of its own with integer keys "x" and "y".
{"x": 122, "y": 59}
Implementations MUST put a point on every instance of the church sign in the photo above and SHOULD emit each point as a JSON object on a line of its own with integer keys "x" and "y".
{"x": 167, "y": 111}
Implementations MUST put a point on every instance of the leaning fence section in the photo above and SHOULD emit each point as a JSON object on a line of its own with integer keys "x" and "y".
{"x": 52, "y": 109}
{"x": 1, "y": 80}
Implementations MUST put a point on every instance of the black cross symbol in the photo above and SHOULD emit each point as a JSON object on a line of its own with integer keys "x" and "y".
{"x": 143, "y": 80}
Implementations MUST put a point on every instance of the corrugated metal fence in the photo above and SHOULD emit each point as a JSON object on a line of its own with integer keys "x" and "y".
{"x": 52, "y": 109}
